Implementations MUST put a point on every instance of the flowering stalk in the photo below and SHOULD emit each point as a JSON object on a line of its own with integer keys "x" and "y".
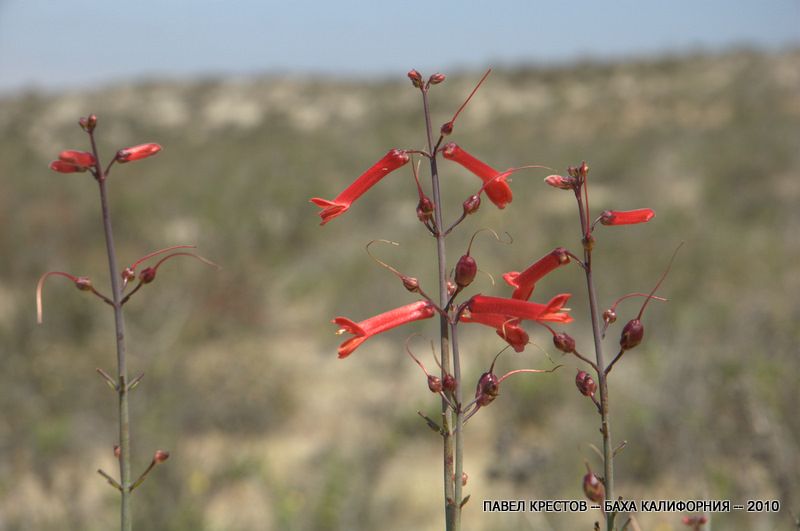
{"x": 72, "y": 161}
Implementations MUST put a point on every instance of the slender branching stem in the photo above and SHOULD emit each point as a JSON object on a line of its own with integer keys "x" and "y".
{"x": 452, "y": 504}
{"x": 605, "y": 427}
{"x": 122, "y": 368}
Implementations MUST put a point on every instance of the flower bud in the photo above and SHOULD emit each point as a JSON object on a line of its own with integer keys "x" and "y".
{"x": 83, "y": 284}
{"x": 89, "y": 123}
{"x": 564, "y": 342}
{"x": 447, "y": 128}
{"x": 585, "y": 383}
{"x": 557, "y": 181}
{"x": 415, "y": 77}
{"x": 487, "y": 390}
{"x": 81, "y": 159}
{"x": 632, "y": 334}
{"x": 65, "y": 167}
{"x": 593, "y": 488}
{"x": 410, "y": 283}
{"x": 464, "y": 479}
{"x": 141, "y": 151}
{"x": 436, "y": 78}
{"x": 117, "y": 451}
{"x": 425, "y": 209}
{"x": 449, "y": 383}
{"x": 472, "y": 204}
{"x": 160, "y": 456}
{"x": 466, "y": 269}
{"x": 434, "y": 383}
{"x": 609, "y": 316}
{"x": 583, "y": 170}
{"x": 147, "y": 275}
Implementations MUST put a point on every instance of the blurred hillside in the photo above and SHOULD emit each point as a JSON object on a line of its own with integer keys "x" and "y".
{"x": 268, "y": 430}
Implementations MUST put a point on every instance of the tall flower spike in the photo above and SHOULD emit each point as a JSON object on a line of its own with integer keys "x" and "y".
{"x": 380, "y": 323}
{"x": 627, "y": 217}
{"x": 394, "y": 159}
{"x": 524, "y": 283}
{"x": 553, "y": 311}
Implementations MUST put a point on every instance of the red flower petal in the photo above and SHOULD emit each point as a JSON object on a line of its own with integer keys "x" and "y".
{"x": 627, "y": 217}
{"x": 141, "y": 151}
{"x": 497, "y": 189}
{"x": 82, "y": 159}
{"x": 65, "y": 167}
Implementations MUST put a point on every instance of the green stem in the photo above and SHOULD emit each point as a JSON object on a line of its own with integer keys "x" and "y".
{"x": 126, "y": 520}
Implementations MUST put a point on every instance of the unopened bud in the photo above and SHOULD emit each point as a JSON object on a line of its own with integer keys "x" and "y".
{"x": 434, "y": 383}
{"x": 447, "y": 128}
{"x": 160, "y": 456}
{"x": 436, "y": 78}
{"x": 117, "y": 451}
{"x": 464, "y": 479}
{"x": 564, "y": 342}
{"x": 147, "y": 275}
{"x": 415, "y": 77}
{"x": 89, "y": 123}
{"x": 449, "y": 383}
{"x": 83, "y": 284}
{"x": 557, "y": 181}
{"x": 466, "y": 269}
{"x": 585, "y": 383}
{"x": 425, "y": 209}
{"x": 609, "y": 316}
{"x": 487, "y": 390}
{"x": 472, "y": 204}
{"x": 593, "y": 488}
{"x": 410, "y": 283}
{"x": 632, "y": 334}
{"x": 583, "y": 170}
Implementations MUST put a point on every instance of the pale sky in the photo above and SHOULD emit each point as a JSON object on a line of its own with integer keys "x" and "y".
{"x": 59, "y": 44}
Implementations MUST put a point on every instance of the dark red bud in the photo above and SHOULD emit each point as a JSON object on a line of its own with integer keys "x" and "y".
{"x": 564, "y": 342}
{"x": 147, "y": 275}
{"x": 160, "y": 456}
{"x": 425, "y": 209}
{"x": 487, "y": 390}
{"x": 585, "y": 383}
{"x": 446, "y": 128}
{"x": 434, "y": 383}
{"x": 436, "y": 78}
{"x": 593, "y": 488}
{"x": 466, "y": 269}
{"x": 609, "y": 316}
{"x": 449, "y": 382}
{"x": 472, "y": 204}
{"x": 128, "y": 274}
{"x": 415, "y": 77}
{"x": 632, "y": 334}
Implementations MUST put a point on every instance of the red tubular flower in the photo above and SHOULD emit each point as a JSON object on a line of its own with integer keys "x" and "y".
{"x": 380, "y": 323}
{"x": 629, "y": 217}
{"x": 524, "y": 283}
{"x": 141, "y": 151}
{"x": 481, "y": 304}
{"x": 497, "y": 188}
{"x": 507, "y": 328}
{"x": 65, "y": 167}
{"x": 390, "y": 162}
{"x": 81, "y": 159}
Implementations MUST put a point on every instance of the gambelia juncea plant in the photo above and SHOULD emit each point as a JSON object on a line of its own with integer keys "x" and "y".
{"x": 504, "y": 315}
{"x": 601, "y": 490}
{"x": 124, "y": 284}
